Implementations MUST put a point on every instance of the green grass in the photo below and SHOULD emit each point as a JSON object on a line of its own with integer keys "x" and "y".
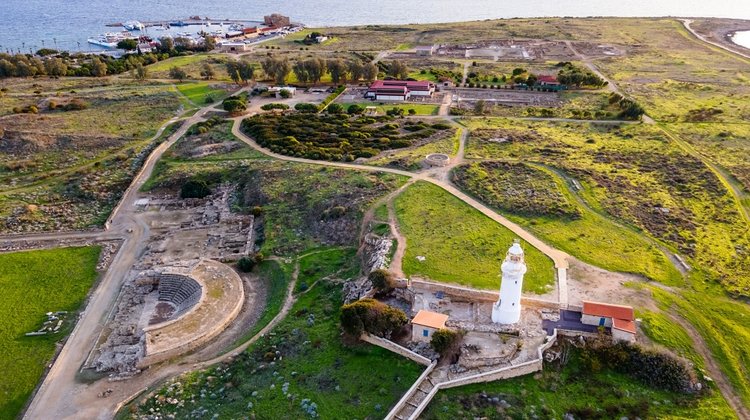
{"x": 576, "y": 390}
{"x": 359, "y": 381}
{"x": 638, "y": 177}
{"x": 381, "y": 212}
{"x": 411, "y": 159}
{"x": 276, "y": 276}
{"x": 197, "y": 92}
{"x": 383, "y": 107}
{"x": 460, "y": 244}
{"x": 592, "y": 237}
{"x": 723, "y": 324}
{"x": 666, "y": 332}
{"x": 34, "y": 283}
{"x": 186, "y": 60}
{"x": 340, "y": 263}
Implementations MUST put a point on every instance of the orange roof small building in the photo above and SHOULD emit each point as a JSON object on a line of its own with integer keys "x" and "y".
{"x": 618, "y": 317}
{"x": 425, "y": 323}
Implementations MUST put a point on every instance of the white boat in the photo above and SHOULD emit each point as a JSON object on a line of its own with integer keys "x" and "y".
{"x": 110, "y": 39}
{"x": 133, "y": 25}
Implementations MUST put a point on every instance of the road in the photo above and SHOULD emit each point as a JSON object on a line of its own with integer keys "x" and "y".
{"x": 61, "y": 395}
{"x": 686, "y": 23}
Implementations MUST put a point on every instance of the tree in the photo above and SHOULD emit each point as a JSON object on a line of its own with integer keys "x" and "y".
{"x": 246, "y": 264}
{"x": 370, "y": 72}
{"x": 446, "y": 342}
{"x": 209, "y": 42}
{"x": 531, "y": 80}
{"x": 7, "y": 69}
{"x": 480, "y": 107}
{"x": 177, "y": 73}
{"x": 98, "y": 68}
{"x": 195, "y": 189}
{"x": 398, "y": 69}
{"x": 234, "y": 104}
{"x": 355, "y": 109}
{"x": 55, "y": 67}
{"x": 300, "y": 72}
{"x": 166, "y": 45}
{"x": 338, "y": 69}
{"x": 518, "y": 71}
{"x": 207, "y": 71}
{"x": 382, "y": 280}
{"x": 127, "y": 44}
{"x": 140, "y": 72}
{"x": 241, "y": 71}
{"x": 356, "y": 70}
{"x": 371, "y": 316}
{"x": 335, "y": 109}
{"x": 277, "y": 69}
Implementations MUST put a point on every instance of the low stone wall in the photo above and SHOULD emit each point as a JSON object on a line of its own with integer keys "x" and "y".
{"x": 391, "y": 346}
{"x": 476, "y": 295}
{"x": 495, "y": 375}
{"x": 400, "y": 404}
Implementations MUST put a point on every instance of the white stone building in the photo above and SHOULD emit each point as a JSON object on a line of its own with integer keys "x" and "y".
{"x": 425, "y": 323}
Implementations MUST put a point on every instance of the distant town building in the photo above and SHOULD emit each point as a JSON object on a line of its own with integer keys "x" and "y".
{"x": 276, "y": 20}
{"x": 507, "y": 310}
{"x": 321, "y": 39}
{"x": 425, "y": 50}
{"x": 545, "y": 80}
{"x": 425, "y": 323}
{"x": 399, "y": 90}
{"x": 621, "y": 319}
{"x": 234, "y": 47}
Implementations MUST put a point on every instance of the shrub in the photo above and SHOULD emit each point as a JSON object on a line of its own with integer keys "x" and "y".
{"x": 246, "y": 264}
{"x": 382, "y": 280}
{"x": 195, "y": 189}
{"x": 446, "y": 342}
{"x": 75, "y": 105}
{"x": 268, "y": 107}
{"x": 372, "y": 316}
{"x": 355, "y": 109}
{"x": 335, "y": 109}
{"x": 412, "y": 111}
{"x": 234, "y": 104}
{"x": 284, "y": 93}
{"x": 306, "y": 107}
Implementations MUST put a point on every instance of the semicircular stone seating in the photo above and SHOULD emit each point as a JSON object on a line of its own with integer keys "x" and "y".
{"x": 181, "y": 291}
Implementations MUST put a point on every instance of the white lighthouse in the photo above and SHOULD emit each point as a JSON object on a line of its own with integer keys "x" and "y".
{"x": 507, "y": 310}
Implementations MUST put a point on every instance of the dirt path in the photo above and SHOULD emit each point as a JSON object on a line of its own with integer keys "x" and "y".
{"x": 398, "y": 257}
{"x": 721, "y": 381}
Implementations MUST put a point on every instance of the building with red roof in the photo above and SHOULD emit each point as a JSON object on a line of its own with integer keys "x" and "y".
{"x": 399, "y": 90}
{"x": 621, "y": 319}
{"x": 546, "y": 80}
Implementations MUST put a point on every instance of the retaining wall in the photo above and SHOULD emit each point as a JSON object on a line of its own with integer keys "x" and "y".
{"x": 390, "y": 345}
{"x": 477, "y": 295}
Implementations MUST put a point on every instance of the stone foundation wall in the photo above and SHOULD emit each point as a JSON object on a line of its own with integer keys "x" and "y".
{"x": 391, "y": 346}
{"x": 476, "y": 295}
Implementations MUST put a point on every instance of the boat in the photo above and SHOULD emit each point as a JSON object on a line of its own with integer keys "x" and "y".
{"x": 110, "y": 39}
{"x": 133, "y": 25}
{"x": 178, "y": 23}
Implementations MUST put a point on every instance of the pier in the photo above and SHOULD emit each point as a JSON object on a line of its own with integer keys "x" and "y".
{"x": 194, "y": 20}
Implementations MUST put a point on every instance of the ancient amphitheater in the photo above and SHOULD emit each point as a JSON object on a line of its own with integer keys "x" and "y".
{"x": 169, "y": 311}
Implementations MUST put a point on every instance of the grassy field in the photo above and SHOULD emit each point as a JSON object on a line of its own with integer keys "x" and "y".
{"x": 460, "y": 245}
{"x": 341, "y": 263}
{"x": 664, "y": 331}
{"x": 34, "y": 283}
{"x": 199, "y": 93}
{"x": 576, "y": 390}
{"x": 724, "y": 328}
{"x": 276, "y": 276}
{"x": 563, "y": 220}
{"x": 64, "y": 169}
{"x": 303, "y": 361}
{"x": 412, "y": 158}
{"x": 650, "y": 184}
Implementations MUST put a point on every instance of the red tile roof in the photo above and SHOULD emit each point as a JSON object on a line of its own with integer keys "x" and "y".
{"x": 430, "y": 319}
{"x": 608, "y": 310}
{"x": 624, "y": 325}
{"x": 547, "y": 79}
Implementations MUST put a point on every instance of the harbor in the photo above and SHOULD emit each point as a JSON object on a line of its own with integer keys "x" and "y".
{"x": 191, "y": 32}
